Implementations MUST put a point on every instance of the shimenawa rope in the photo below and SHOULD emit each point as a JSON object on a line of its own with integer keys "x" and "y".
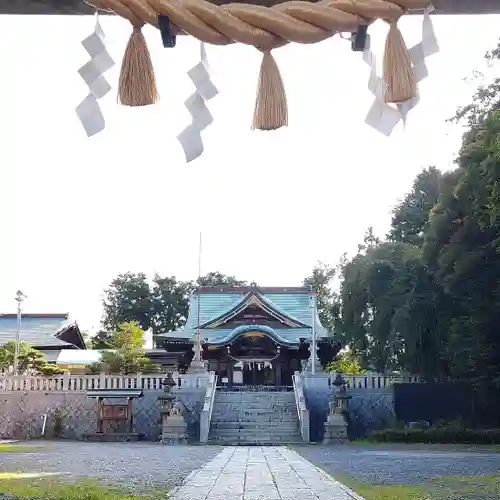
{"x": 265, "y": 28}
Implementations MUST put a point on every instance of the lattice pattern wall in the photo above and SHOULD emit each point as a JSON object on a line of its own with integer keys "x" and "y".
{"x": 21, "y": 414}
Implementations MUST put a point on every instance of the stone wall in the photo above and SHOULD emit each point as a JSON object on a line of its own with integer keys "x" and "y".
{"x": 71, "y": 414}
{"x": 369, "y": 409}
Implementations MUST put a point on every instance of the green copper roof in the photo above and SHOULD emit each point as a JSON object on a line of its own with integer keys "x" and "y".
{"x": 292, "y": 303}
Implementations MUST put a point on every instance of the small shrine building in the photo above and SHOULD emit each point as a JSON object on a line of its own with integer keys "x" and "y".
{"x": 251, "y": 336}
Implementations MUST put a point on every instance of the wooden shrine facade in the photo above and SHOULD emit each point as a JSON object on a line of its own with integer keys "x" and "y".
{"x": 251, "y": 336}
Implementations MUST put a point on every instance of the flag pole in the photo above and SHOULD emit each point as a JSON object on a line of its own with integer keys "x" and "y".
{"x": 198, "y": 333}
{"x": 313, "y": 325}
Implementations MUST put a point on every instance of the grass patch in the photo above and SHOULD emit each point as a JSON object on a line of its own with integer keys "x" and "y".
{"x": 45, "y": 489}
{"x": 18, "y": 448}
{"x": 443, "y": 488}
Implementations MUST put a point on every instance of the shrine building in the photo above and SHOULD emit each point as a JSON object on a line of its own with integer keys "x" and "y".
{"x": 251, "y": 336}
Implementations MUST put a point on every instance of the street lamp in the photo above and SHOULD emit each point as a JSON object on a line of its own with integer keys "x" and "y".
{"x": 19, "y": 299}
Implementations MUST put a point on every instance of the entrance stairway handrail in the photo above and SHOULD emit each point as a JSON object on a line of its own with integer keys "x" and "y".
{"x": 208, "y": 407}
{"x": 302, "y": 411}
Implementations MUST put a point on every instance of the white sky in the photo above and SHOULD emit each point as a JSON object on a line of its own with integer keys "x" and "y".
{"x": 76, "y": 211}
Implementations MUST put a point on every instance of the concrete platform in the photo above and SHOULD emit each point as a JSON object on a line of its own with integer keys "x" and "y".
{"x": 261, "y": 473}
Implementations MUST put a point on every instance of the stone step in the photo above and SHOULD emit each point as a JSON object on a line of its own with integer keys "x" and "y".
{"x": 255, "y": 404}
{"x": 280, "y": 409}
{"x": 252, "y": 425}
{"x": 249, "y": 436}
{"x": 254, "y": 432}
{"x": 230, "y": 441}
{"x": 254, "y": 397}
{"x": 258, "y": 418}
{"x": 251, "y": 418}
{"x": 261, "y": 419}
{"x": 274, "y": 406}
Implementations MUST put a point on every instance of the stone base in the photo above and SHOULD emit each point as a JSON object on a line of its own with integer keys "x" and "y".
{"x": 113, "y": 436}
{"x": 196, "y": 367}
{"x": 174, "y": 430}
{"x": 317, "y": 366}
{"x": 335, "y": 430}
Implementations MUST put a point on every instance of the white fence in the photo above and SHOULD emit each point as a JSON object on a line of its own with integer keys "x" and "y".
{"x": 372, "y": 381}
{"x": 82, "y": 383}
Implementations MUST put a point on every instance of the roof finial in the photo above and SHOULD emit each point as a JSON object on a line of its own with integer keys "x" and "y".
{"x": 253, "y": 284}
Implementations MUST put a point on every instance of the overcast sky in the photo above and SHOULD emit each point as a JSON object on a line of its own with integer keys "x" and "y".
{"x": 77, "y": 211}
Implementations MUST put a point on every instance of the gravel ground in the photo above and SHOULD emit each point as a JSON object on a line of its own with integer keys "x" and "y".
{"x": 400, "y": 464}
{"x": 134, "y": 465}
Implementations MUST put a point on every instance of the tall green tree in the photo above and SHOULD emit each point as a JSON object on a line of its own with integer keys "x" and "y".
{"x": 128, "y": 298}
{"x": 162, "y": 305}
{"x": 127, "y": 354}
{"x": 30, "y": 360}
{"x": 218, "y": 279}
{"x": 327, "y": 304}
{"x": 463, "y": 249}
{"x": 374, "y": 289}
{"x": 170, "y": 303}
{"x": 411, "y": 216}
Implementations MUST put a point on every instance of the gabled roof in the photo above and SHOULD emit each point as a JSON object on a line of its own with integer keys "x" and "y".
{"x": 40, "y": 330}
{"x": 215, "y": 302}
{"x": 253, "y": 298}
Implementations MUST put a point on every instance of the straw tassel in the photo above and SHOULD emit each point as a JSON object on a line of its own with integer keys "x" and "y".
{"x": 271, "y": 110}
{"x": 137, "y": 84}
{"x": 398, "y": 70}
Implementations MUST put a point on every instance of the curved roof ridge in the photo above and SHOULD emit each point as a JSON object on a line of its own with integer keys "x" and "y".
{"x": 241, "y": 329}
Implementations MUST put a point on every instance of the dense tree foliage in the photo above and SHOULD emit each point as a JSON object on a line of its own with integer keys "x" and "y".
{"x": 346, "y": 362}
{"x": 161, "y": 305}
{"x": 126, "y": 354}
{"x": 426, "y": 298}
{"x": 30, "y": 361}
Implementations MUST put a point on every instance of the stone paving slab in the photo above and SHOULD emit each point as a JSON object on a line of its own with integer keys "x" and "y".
{"x": 261, "y": 473}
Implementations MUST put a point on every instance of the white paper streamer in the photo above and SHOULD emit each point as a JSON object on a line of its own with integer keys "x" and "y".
{"x": 190, "y": 137}
{"x": 382, "y": 116}
{"x": 92, "y": 73}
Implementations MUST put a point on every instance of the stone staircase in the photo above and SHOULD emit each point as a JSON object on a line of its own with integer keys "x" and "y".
{"x": 254, "y": 418}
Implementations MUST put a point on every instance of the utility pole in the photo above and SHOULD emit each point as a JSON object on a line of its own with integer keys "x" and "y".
{"x": 19, "y": 299}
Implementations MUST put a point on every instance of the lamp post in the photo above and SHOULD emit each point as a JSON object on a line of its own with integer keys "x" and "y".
{"x": 19, "y": 299}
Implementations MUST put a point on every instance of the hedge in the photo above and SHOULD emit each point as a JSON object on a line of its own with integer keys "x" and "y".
{"x": 440, "y": 435}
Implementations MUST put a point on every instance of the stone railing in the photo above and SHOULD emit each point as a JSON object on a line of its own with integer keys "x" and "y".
{"x": 372, "y": 381}
{"x": 82, "y": 383}
{"x": 208, "y": 406}
{"x": 302, "y": 410}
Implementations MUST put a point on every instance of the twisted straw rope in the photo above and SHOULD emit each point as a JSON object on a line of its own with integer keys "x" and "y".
{"x": 264, "y": 27}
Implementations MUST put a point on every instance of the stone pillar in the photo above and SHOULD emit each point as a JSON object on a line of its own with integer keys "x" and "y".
{"x": 173, "y": 425}
{"x": 336, "y": 424}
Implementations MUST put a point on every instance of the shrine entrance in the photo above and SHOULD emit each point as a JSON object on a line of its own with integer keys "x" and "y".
{"x": 256, "y": 361}
{"x": 257, "y": 373}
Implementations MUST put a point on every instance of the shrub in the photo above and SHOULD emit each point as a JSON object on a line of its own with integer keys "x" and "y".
{"x": 451, "y": 434}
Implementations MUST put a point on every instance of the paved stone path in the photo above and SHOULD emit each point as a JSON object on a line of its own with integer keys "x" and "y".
{"x": 261, "y": 473}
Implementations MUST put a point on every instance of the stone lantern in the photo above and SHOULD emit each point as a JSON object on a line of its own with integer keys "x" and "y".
{"x": 336, "y": 425}
{"x": 173, "y": 425}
